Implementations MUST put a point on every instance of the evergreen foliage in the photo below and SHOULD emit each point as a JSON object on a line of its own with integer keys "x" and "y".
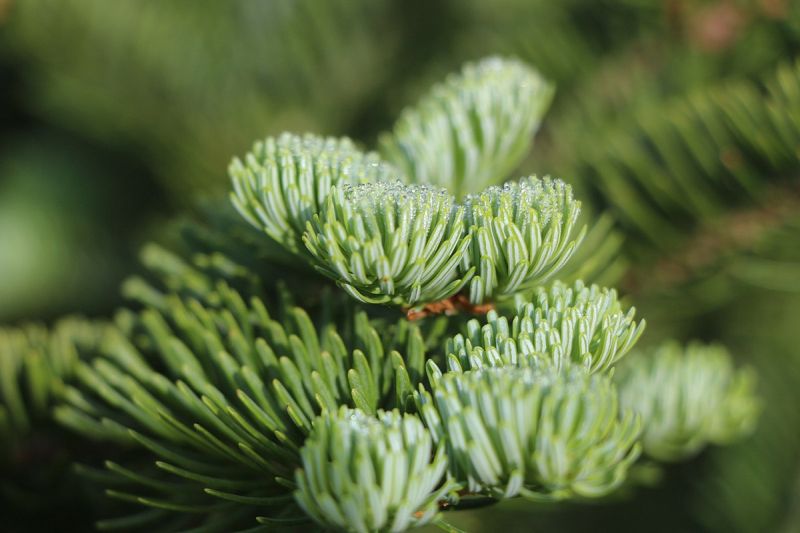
{"x": 706, "y": 148}
{"x": 544, "y": 435}
{"x": 522, "y": 233}
{"x": 386, "y": 241}
{"x": 255, "y": 416}
{"x": 393, "y": 478}
{"x": 224, "y": 405}
{"x": 559, "y": 327}
{"x": 283, "y": 182}
{"x": 222, "y": 395}
{"x": 471, "y": 130}
{"x": 221, "y": 76}
{"x": 688, "y": 397}
{"x": 34, "y": 364}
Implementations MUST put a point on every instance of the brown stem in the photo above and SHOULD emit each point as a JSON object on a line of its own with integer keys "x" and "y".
{"x": 449, "y": 306}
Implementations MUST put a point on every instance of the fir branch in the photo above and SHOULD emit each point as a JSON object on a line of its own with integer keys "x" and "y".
{"x": 470, "y": 131}
{"x": 737, "y": 233}
{"x": 388, "y": 242}
{"x": 561, "y": 327}
{"x": 688, "y": 398}
{"x": 245, "y": 413}
{"x": 544, "y": 435}
{"x": 34, "y": 365}
{"x": 686, "y": 161}
{"x": 522, "y": 233}
{"x": 283, "y": 182}
{"x": 362, "y": 473}
{"x": 223, "y": 395}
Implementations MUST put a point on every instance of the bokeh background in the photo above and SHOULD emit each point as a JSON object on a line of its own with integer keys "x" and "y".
{"x": 677, "y": 121}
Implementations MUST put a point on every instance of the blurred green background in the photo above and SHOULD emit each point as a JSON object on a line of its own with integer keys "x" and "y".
{"x": 679, "y": 118}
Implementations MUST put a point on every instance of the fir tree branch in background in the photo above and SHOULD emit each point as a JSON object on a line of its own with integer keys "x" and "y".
{"x": 688, "y": 397}
{"x": 34, "y": 364}
{"x": 733, "y": 234}
{"x": 748, "y": 487}
{"x": 194, "y": 101}
{"x": 666, "y": 172}
{"x": 36, "y": 477}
